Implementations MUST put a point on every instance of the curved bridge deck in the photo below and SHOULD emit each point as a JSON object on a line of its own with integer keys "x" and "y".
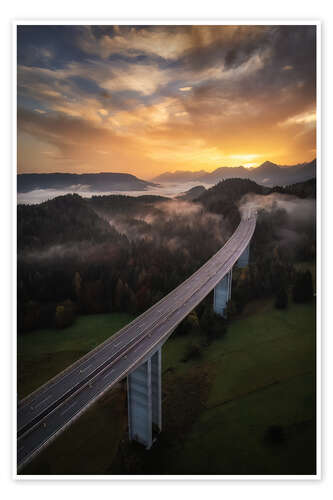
{"x": 46, "y": 412}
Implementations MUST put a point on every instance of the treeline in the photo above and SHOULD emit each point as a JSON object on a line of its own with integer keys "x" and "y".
{"x": 225, "y": 196}
{"x": 278, "y": 244}
{"x": 305, "y": 189}
{"x": 63, "y": 220}
{"x": 120, "y": 253}
{"x": 90, "y": 267}
{"x": 124, "y": 278}
{"x": 270, "y": 277}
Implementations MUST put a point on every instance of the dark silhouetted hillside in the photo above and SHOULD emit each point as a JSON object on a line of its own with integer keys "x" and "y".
{"x": 267, "y": 174}
{"x": 102, "y": 182}
{"x": 192, "y": 193}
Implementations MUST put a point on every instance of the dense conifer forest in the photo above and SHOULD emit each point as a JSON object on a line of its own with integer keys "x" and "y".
{"x": 122, "y": 254}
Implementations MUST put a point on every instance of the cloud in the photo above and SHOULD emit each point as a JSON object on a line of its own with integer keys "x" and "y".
{"x": 230, "y": 45}
{"x": 73, "y": 139}
{"x": 161, "y": 42}
{"x": 145, "y": 118}
{"x": 143, "y": 99}
{"x": 67, "y": 89}
{"x": 144, "y": 79}
{"x": 308, "y": 118}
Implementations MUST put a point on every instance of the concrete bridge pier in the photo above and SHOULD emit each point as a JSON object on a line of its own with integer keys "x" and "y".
{"x": 156, "y": 388}
{"x": 230, "y": 283}
{"x": 222, "y": 294}
{"x": 144, "y": 399}
{"x": 243, "y": 260}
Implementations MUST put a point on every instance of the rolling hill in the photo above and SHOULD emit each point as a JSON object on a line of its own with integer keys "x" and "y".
{"x": 102, "y": 182}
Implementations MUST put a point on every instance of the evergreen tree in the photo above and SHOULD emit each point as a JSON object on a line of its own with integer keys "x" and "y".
{"x": 281, "y": 299}
{"x": 303, "y": 287}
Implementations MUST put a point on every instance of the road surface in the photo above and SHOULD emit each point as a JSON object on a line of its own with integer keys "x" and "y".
{"x": 46, "y": 412}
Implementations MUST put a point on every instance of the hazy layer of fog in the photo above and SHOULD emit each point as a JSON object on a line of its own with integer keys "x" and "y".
{"x": 299, "y": 223}
{"x": 66, "y": 250}
{"x": 301, "y": 210}
{"x": 165, "y": 189}
{"x": 167, "y": 221}
{"x": 173, "y": 224}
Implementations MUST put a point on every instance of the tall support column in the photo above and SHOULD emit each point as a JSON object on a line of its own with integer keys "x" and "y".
{"x": 144, "y": 399}
{"x": 230, "y": 283}
{"x": 156, "y": 386}
{"x": 139, "y": 400}
{"x": 222, "y": 293}
{"x": 243, "y": 260}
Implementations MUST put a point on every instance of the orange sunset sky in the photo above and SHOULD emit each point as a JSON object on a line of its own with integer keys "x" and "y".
{"x": 150, "y": 99}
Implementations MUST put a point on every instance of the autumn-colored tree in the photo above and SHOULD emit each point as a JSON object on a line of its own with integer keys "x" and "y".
{"x": 189, "y": 324}
{"x": 65, "y": 314}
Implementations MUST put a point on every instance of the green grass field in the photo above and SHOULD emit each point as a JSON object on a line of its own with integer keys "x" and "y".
{"x": 262, "y": 373}
{"x": 44, "y": 353}
{"x": 216, "y": 409}
{"x": 89, "y": 445}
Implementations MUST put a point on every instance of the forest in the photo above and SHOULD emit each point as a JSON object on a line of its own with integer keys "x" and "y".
{"x": 122, "y": 254}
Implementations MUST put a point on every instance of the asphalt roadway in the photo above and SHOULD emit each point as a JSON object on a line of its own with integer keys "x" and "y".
{"x": 46, "y": 412}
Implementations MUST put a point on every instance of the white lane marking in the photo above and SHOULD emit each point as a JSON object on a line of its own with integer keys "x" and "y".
{"x": 85, "y": 369}
{"x": 176, "y": 293}
{"x": 107, "y": 374}
{"x": 209, "y": 275}
{"x": 43, "y": 401}
{"x": 68, "y": 408}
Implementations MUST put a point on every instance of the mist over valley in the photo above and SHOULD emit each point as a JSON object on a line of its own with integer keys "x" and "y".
{"x": 36, "y": 188}
{"x": 127, "y": 252}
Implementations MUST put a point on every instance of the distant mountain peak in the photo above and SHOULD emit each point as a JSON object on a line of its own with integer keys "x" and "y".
{"x": 268, "y": 164}
{"x": 267, "y": 174}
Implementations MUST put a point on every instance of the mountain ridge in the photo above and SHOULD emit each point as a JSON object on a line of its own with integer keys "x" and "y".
{"x": 268, "y": 174}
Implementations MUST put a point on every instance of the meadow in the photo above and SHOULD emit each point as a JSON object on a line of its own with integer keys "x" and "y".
{"x": 245, "y": 406}
{"x": 41, "y": 354}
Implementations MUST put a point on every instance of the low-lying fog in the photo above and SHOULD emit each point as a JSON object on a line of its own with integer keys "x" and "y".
{"x": 299, "y": 209}
{"x": 165, "y": 189}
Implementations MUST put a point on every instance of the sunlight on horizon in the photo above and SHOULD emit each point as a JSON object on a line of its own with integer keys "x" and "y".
{"x": 150, "y": 99}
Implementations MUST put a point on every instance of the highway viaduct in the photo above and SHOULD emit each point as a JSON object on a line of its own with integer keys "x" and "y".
{"x": 134, "y": 352}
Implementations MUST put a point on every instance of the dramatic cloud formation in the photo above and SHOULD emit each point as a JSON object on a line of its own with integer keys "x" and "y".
{"x": 144, "y": 99}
